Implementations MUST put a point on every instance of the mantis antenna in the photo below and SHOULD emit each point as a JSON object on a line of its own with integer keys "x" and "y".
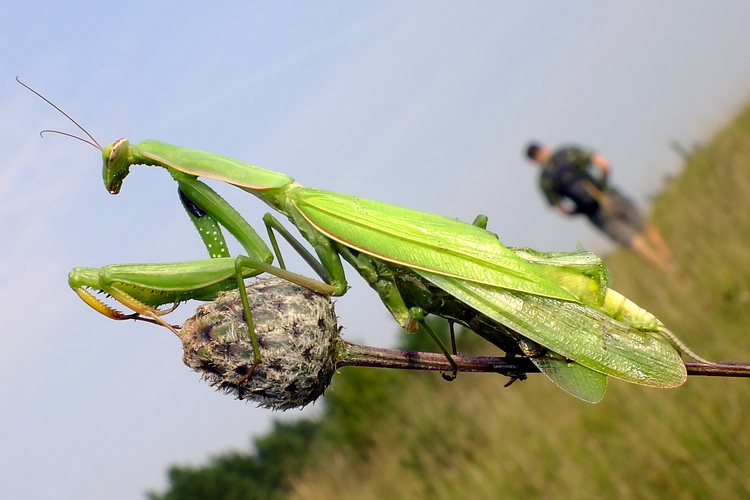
{"x": 92, "y": 142}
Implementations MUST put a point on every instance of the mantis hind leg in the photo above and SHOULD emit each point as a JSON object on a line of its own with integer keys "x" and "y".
{"x": 417, "y": 314}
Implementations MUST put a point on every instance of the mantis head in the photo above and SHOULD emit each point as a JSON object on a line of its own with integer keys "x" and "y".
{"x": 116, "y": 167}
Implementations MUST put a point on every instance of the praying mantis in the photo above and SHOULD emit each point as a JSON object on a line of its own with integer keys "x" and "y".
{"x": 555, "y": 308}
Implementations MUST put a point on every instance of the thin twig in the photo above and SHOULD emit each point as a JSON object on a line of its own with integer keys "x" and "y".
{"x": 718, "y": 369}
{"x": 357, "y": 355}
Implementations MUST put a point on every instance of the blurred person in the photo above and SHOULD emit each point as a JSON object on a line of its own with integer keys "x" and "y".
{"x": 574, "y": 181}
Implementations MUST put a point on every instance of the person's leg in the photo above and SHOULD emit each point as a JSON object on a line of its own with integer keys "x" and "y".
{"x": 623, "y": 224}
{"x": 657, "y": 241}
{"x": 641, "y": 246}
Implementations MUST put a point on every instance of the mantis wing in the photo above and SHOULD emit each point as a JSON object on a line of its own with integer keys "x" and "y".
{"x": 579, "y": 333}
{"x": 422, "y": 241}
{"x": 472, "y": 265}
{"x": 573, "y": 378}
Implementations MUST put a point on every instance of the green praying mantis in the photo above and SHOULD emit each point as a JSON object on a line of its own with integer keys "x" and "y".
{"x": 556, "y": 308}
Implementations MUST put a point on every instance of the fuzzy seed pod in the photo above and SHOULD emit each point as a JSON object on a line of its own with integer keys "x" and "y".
{"x": 298, "y": 337}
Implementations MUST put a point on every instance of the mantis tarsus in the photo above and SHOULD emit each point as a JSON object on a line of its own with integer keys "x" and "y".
{"x": 555, "y": 308}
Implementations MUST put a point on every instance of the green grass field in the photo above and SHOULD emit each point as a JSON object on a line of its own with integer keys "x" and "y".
{"x": 473, "y": 438}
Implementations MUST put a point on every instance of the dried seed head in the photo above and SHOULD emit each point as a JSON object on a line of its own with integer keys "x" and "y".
{"x": 298, "y": 338}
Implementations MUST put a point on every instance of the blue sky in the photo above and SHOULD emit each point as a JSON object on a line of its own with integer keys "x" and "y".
{"x": 422, "y": 104}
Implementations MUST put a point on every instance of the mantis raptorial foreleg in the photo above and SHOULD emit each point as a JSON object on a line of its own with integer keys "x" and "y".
{"x": 142, "y": 288}
{"x": 206, "y": 206}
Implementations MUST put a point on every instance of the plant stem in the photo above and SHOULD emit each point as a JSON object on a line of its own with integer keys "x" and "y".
{"x": 357, "y": 355}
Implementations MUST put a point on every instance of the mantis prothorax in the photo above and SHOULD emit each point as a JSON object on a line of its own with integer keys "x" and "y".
{"x": 555, "y": 308}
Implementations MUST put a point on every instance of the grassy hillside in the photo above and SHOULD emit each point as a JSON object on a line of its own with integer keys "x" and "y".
{"x": 473, "y": 438}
